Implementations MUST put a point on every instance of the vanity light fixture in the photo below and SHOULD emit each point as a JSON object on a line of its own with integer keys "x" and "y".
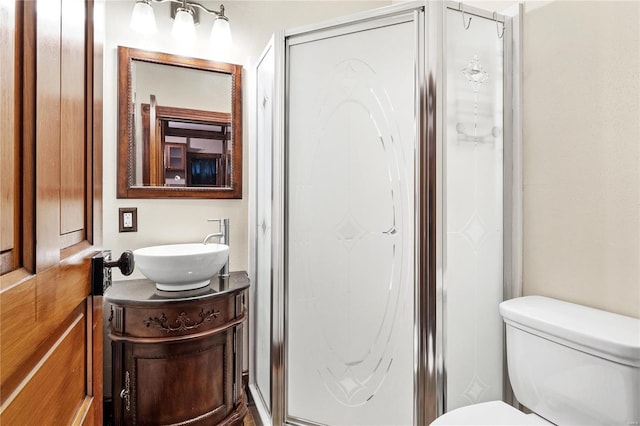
{"x": 143, "y": 21}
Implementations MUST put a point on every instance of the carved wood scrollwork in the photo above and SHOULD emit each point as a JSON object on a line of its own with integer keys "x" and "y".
{"x": 182, "y": 323}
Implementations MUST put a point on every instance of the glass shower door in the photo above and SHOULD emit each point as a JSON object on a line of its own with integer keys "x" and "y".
{"x": 350, "y": 228}
{"x": 264, "y": 183}
{"x": 473, "y": 273}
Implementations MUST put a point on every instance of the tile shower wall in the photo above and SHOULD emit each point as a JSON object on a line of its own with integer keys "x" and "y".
{"x": 473, "y": 268}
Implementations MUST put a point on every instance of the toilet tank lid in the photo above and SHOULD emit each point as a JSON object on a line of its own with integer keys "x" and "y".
{"x": 605, "y": 334}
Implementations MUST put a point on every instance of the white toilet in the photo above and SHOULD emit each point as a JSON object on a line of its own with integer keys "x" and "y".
{"x": 569, "y": 364}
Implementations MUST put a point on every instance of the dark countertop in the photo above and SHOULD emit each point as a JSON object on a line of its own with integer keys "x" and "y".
{"x": 144, "y": 291}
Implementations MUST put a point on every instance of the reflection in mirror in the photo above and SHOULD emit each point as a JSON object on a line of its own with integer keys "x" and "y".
{"x": 179, "y": 127}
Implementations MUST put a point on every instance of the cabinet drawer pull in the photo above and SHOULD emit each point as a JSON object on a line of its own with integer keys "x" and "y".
{"x": 124, "y": 393}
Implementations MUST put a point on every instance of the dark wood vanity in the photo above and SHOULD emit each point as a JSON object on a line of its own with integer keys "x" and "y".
{"x": 177, "y": 359}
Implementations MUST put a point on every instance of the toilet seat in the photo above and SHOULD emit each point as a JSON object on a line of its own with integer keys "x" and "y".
{"x": 488, "y": 413}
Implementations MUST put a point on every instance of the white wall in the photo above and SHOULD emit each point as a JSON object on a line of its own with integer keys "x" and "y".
{"x": 581, "y": 153}
{"x": 171, "y": 221}
{"x": 581, "y": 149}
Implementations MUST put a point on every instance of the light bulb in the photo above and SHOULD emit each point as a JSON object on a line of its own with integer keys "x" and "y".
{"x": 221, "y": 36}
{"x": 183, "y": 27}
{"x": 142, "y": 19}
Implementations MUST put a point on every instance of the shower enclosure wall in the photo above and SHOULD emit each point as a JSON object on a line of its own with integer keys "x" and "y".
{"x": 383, "y": 219}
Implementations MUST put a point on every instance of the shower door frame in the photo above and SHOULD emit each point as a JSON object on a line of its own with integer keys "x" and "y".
{"x": 428, "y": 384}
{"x": 430, "y": 88}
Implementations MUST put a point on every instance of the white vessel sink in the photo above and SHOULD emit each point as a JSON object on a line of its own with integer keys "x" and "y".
{"x": 177, "y": 267}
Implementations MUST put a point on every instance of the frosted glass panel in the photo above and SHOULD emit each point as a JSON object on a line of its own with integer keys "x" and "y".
{"x": 350, "y": 241}
{"x": 473, "y": 193}
{"x": 263, "y": 284}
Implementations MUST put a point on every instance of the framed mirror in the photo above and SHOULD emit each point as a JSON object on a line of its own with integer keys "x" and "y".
{"x": 179, "y": 126}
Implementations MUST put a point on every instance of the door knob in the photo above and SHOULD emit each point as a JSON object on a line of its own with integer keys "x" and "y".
{"x": 125, "y": 263}
{"x": 101, "y": 265}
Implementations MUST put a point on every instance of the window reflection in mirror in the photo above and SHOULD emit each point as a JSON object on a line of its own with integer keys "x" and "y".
{"x": 182, "y": 127}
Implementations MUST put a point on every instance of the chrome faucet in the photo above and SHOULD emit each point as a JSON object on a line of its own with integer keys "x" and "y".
{"x": 223, "y": 235}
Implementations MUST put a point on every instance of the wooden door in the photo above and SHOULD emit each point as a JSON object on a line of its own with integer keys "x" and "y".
{"x": 51, "y": 140}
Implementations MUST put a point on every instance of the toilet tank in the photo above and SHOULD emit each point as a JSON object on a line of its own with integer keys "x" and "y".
{"x": 571, "y": 364}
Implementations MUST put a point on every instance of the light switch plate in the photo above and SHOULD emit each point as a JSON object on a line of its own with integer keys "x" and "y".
{"x": 128, "y": 219}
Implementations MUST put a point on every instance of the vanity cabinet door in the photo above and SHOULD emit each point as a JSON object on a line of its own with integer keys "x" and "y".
{"x": 174, "y": 382}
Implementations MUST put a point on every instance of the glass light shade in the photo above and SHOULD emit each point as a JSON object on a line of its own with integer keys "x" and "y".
{"x": 143, "y": 20}
{"x": 183, "y": 27}
{"x": 221, "y": 35}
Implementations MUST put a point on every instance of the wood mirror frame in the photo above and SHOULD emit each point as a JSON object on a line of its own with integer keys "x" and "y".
{"x": 126, "y": 140}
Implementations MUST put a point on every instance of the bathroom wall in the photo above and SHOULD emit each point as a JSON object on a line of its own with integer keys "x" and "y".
{"x": 581, "y": 133}
{"x": 173, "y": 221}
{"x": 581, "y": 153}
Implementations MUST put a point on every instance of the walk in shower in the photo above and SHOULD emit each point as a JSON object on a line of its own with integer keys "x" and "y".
{"x": 383, "y": 216}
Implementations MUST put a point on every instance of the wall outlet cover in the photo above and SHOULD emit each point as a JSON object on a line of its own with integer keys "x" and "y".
{"x": 128, "y": 219}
